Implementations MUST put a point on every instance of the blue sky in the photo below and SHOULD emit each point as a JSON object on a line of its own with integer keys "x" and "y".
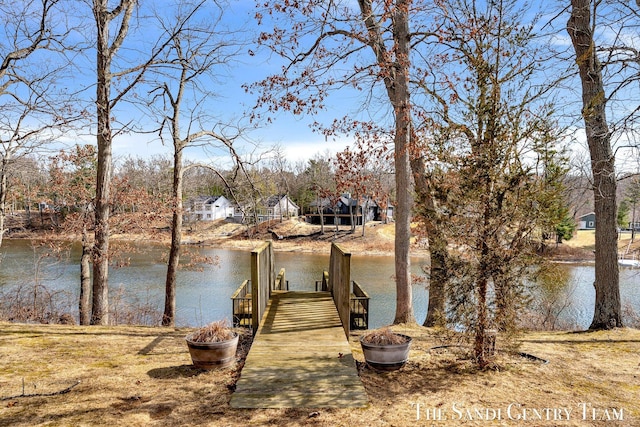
{"x": 291, "y": 133}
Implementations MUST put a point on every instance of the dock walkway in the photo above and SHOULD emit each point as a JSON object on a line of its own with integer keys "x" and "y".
{"x": 300, "y": 358}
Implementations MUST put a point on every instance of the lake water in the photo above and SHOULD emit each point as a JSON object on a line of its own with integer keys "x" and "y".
{"x": 204, "y": 296}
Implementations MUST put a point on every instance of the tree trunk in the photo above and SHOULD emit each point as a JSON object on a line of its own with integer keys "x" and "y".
{"x": 438, "y": 279}
{"x": 3, "y": 197}
{"x": 27, "y": 209}
{"x": 353, "y": 215}
{"x": 321, "y": 213}
{"x": 481, "y": 323}
{"x": 607, "y": 312}
{"x": 365, "y": 210}
{"x": 84, "y": 305}
{"x": 100, "y": 306}
{"x": 169, "y": 316}
{"x": 402, "y": 139}
{"x": 438, "y": 252}
{"x": 395, "y": 70}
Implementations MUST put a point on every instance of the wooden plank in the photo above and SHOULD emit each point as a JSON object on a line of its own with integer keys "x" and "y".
{"x": 300, "y": 358}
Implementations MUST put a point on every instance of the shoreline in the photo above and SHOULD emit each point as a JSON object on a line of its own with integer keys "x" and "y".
{"x": 294, "y": 236}
{"x": 285, "y": 245}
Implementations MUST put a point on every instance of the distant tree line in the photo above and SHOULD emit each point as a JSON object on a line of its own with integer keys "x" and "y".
{"x": 63, "y": 183}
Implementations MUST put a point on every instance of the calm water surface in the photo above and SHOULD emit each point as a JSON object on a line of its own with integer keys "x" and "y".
{"x": 203, "y": 296}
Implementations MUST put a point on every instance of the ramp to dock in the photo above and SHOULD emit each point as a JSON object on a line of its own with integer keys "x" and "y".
{"x": 300, "y": 358}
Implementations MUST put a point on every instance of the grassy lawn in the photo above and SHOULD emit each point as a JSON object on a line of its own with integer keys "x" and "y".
{"x": 139, "y": 376}
{"x": 583, "y": 239}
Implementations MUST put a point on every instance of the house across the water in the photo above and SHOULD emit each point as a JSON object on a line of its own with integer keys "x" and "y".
{"x": 209, "y": 208}
{"x": 587, "y": 221}
{"x": 345, "y": 210}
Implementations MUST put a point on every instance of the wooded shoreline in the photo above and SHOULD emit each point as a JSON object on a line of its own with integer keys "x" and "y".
{"x": 297, "y": 236}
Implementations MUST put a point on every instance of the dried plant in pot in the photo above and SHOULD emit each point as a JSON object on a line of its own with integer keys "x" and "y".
{"x": 213, "y": 346}
{"x": 385, "y": 350}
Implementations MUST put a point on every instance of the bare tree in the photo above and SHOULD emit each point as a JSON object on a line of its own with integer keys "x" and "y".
{"x": 281, "y": 167}
{"x": 581, "y": 27}
{"x": 154, "y": 174}
{"x": 26, "y": 180}
{"x": 114, "y": 70}
{"x": 107, "y": 48}
{"x": 72, "y": 186}
{"x": 196, "y": 56}
{"x": 373, "y": 39}
{"x": 356, "y": 174}
{"x": 32, "y": 109}
{"x": 320, "y": 179}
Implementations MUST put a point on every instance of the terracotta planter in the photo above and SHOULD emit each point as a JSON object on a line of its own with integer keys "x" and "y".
{"x": 213, "y": 355}
{"x": 388, "y": 357}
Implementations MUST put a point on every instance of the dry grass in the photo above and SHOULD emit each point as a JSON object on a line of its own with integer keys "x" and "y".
{"x": 213, "y": 332}
{"x": 384, "y": 336}
{"x": 582, "y": 246}
{"x": 584, "y": 239}
{"x": 141, "y": 376}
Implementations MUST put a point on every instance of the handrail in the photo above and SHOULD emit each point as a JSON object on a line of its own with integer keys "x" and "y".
{"x": 358, "y": 303}
{"x": 359, "y": 291}
{"x": 262, "y": 281}
{"x": 340, "y": 283}
{"x": 281, "y": 284}
{"x": 323, "y": 285}
{"x": 241, "y": 288}
{"x": 241, "y": 308}
{"x": 359, "y": 307}
{"x": 251, "y": 298}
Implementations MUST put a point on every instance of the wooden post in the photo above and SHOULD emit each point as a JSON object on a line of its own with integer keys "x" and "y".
{"x": 340, "y": 283}
{"x": 262, "y": 280}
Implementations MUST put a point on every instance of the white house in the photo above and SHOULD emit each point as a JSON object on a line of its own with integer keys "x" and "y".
{"x": 277, "y": 207}
{"x": 210, "y": 208}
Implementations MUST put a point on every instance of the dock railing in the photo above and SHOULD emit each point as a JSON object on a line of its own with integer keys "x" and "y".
{"x": 358, "y": 303}
{"x": 263, "y": 276}
{"x": 323, "y": 285}
{"x": 281, "y": 283}
{"x": 241, "y": 305}
{"x": 340, "y": 283}
{"x": 359, "y": 307}
{"x": 249, "y": 301}
{"x": 251, "y": 298}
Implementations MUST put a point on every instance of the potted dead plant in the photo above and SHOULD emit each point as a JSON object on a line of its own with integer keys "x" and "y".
{"x": 213, "y": 346}
{"x": 384, "y": 349}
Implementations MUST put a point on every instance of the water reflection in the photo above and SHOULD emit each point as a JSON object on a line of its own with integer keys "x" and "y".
{"x": 203, "y": 296}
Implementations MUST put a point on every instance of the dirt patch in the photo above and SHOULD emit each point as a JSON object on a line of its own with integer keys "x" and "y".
{"x": 143, "y": 376}
{"x": 297, "y": 236}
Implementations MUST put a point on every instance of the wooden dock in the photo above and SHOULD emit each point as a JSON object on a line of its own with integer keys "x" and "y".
{"x": 300, "y": 358}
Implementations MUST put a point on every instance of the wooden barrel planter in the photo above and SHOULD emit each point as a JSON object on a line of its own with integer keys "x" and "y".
{"x": 213, "y": 355}
{"x": 386, "y": 357}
